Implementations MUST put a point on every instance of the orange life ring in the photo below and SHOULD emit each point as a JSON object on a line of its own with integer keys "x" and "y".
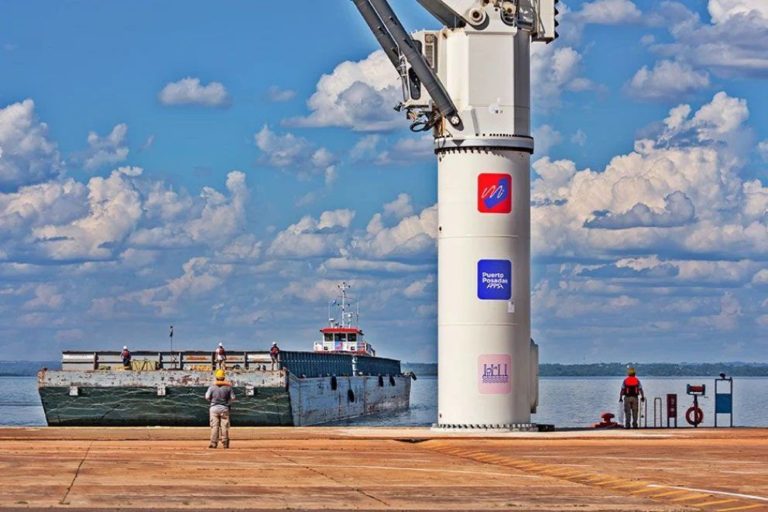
{"x": 694, "y": 415}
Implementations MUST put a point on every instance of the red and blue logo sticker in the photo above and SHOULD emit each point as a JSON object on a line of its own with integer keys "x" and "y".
{"x": 494, "y": 193}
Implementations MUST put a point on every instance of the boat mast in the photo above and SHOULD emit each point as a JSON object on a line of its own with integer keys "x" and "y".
{"x": 343, "y": 287}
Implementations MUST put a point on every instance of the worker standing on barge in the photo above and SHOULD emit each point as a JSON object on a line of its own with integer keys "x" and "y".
{"x": 274, "y": 354}
{"x": 125, "y": 355}
{"x": 221, "y": 395}
{"x": 221, "y": 356}
{"x": 631, "y": 389}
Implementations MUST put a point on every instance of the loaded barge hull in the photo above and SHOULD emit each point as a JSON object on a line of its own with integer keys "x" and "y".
{"x": 106, "y": 395}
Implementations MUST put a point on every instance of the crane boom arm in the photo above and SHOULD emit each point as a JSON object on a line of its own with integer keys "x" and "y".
{"x": 387, "y": 19}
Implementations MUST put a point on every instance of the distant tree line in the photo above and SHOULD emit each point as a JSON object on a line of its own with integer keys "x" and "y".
{"x": 25, "y": 368}
{"x": 620, "y": 369}
{"x": 30, "y": 368}
{"x": 655, "y": 369}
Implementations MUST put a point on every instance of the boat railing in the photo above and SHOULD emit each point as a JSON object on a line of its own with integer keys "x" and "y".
{"x": 193, "y": 360}
{"x": 306, "y": 364}
{"x": 320, "y": 364}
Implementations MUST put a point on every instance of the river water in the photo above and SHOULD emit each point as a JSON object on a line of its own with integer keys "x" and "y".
{"x": 565, "y": 402}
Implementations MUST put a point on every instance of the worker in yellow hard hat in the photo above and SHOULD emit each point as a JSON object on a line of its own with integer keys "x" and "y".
{"x": 631, "y": 389}
{"x": 221, "y": 396}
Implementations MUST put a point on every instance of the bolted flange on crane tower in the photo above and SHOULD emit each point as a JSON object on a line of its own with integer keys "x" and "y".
{"x": 470, "y": 84}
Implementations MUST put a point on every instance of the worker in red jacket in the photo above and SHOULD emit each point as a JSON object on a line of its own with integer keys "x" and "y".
{"x": 274, "y": 355}
{"x": 631, "y": 389}
{"x": 125, "y": 355}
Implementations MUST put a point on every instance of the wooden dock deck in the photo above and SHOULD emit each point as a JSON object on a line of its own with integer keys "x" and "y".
{"x": 384, "y": 469}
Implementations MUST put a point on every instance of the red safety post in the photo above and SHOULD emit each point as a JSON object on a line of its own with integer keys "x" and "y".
{"x": 671, "y": 409}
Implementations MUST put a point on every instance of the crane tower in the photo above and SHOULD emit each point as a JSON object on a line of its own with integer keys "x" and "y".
{"x": 470, "y": 84}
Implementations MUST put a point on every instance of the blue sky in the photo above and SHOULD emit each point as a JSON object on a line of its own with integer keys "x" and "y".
{"x": 220, "y": 167}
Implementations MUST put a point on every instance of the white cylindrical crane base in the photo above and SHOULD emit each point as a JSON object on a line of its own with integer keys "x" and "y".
{"x": 484, "y": 326}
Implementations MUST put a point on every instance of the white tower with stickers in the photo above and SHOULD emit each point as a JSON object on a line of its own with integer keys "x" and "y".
{"x": 470, "y": 84}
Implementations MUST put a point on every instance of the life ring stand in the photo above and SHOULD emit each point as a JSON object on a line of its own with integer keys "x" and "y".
{"x": 694, "y": 415}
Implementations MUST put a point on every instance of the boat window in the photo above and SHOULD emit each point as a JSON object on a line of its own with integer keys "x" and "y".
{"x": 352, "y": 337}
{"x": 328, "y": 337}
{"x": 341, "y": 337}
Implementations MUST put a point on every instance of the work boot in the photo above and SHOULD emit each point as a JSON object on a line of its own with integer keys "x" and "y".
{"x": 212, "y": 445}
{"x": 225, "y": 444}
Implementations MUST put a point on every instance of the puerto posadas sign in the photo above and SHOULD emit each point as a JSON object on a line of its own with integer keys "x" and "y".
{"x": 494, "y": 279}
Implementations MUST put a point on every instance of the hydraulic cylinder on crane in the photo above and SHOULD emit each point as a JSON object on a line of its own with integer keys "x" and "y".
{"x": 470, "y": 84}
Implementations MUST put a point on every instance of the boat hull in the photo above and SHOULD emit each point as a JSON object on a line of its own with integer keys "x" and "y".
{"x": 181, "y": 406}
{"x": 177, "y": 398}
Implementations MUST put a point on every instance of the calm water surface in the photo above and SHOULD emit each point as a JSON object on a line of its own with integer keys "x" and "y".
{"x": 563, "y": 401}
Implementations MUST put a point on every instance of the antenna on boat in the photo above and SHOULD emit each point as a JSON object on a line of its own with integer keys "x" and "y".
{"x": 170, "y": 335}
{"x": 330, "y": 318}
{"x": 343, "y": 287}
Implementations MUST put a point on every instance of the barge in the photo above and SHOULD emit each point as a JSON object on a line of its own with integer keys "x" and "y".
{"x": 339, "y": 380}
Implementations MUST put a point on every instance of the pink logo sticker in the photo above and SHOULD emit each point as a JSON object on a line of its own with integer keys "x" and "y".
{"x": 493, "y": 374}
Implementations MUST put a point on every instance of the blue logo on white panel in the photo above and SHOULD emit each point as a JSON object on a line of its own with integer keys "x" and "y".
{"x": 494, "y": 279}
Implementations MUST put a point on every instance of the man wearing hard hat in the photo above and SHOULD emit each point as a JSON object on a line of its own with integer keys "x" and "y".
{"x": 221, "y": 397}
{"x": 631, "y": 389}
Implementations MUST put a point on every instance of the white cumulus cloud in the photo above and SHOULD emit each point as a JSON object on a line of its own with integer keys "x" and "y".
{"x": 412, "y": 236}
{"x": 608, "y": 12}
{"x": 733, "y": 44}
{"x": 212, "y": 219}
{"x": 289, "y": 152}
{"x": 189, "y": 91}
{"x": 310, "y": 237}
{"x": 555, "y": 69}
{"x": 357, "y": 95}
{"x": 762, "y": 148}
{"x": 724, "y": 10}
{"x": 668, "y": 80}
{"x": 400, "y": 207}
{"x": 678, "y": 210}
{"x": 546, "y": 138}
{"x": 200, "y": 276}
{"x": 679, "y": 192}
{"x": 278, "y": 94}
{"x": 27, "y": 156}
{"x": 419, "y": 288}
{"x": 114, "y": 208}
{"x": 38, "y": 205}
{"x": 108, "y": 150}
